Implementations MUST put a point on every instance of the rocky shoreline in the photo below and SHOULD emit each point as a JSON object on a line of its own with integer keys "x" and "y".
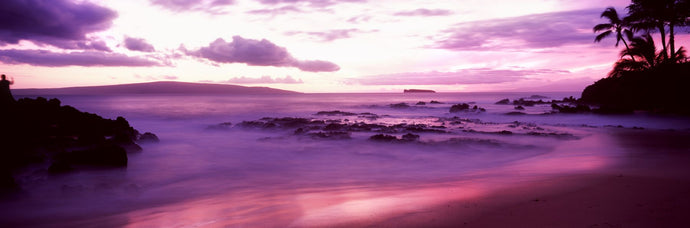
{"x": 59, "y": 138}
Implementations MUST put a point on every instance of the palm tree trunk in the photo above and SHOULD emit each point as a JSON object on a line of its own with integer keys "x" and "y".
{"x": 672, "y": 41}
{"x": 664, "y": 50}
{"x": 626, "y": 47}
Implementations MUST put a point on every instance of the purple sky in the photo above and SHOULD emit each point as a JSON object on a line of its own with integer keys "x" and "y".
{"x": 309, "y": 45}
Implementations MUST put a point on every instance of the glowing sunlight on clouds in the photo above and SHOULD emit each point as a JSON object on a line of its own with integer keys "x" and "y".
{"x": 328, "y": 46}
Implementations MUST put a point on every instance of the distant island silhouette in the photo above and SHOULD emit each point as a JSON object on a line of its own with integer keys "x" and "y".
{"x": 418, "y": 91}
{"x": 161, "y": 87}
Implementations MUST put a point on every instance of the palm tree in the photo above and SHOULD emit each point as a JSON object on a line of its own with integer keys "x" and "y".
{"x": 642, "y": 47}
{"x": 650, "y": 15}
{"x": 615, "y": 26}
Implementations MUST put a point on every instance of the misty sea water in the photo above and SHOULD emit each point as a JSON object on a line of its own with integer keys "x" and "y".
{"x": 204, "y": 175}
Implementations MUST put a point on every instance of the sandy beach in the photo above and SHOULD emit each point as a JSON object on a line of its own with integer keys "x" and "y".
{"x": 650, "y": 189}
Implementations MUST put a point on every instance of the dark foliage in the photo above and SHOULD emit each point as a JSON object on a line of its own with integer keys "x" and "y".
{"x": 661, "y": 89}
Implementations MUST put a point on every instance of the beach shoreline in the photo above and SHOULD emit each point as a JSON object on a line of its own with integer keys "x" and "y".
{"x": 649, "y": 189}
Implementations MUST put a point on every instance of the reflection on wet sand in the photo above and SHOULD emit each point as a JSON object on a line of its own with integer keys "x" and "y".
{"x": 303, "y": 206}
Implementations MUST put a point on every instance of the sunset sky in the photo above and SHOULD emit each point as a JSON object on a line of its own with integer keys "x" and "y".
{"x": 310, "y": 45}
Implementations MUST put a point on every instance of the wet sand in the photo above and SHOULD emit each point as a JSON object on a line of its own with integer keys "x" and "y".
{"x": 651, "y": 188}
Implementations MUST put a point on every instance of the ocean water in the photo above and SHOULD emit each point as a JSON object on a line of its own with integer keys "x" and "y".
{"x": 203, "y": 174}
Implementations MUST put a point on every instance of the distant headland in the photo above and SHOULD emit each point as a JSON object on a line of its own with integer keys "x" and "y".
{"x": 418, "y": 91}
{"x": 161, "y": 87}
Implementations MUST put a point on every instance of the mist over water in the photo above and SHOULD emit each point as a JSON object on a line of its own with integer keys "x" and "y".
{"x": 199, "y": 175}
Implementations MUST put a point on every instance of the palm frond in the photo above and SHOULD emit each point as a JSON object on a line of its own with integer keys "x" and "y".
{"x": 602, "y": 36}
{"x": 602, "y": 27}
{"x": 611, "y": 14}
{"x": 626, "y": 65}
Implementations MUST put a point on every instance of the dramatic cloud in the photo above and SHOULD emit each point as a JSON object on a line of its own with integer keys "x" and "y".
{"x": 94, "y": 44}
{"x": 425, "y": 12}
{"x": 264, "y": 80}
{"x": 531, "y": 31}
{"x": 61, "y": 23}
{"x": 329, "y": 35}
{"x": 316, "y": 66}
{"x": 86, "y": 58}
{"x": 257, "y": 53}
{"x": 209, "y": 6}
{"x": 138, "y": 44}
{"x": 465, "y": 76}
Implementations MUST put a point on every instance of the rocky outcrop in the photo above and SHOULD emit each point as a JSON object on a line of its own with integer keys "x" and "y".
{"x": 41, "y": 130}
{"x": 464, "y": 107}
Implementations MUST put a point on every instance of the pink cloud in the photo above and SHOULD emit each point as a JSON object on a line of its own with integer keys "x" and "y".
{"x": 425, "y": 12}
{"x": 531, "y": 31}
{"x": 315, "y": 3}
{"x": 465, "y": 76}
{"x": 276, "y": 11}
{"x": 257, "y": 53}
{"x": 209, "y": 6}
{"x": 330, "y": 35}
{"x": 138, "y": 44}
{"x": 85, "y": 58}
{"x": 264, "y": 80}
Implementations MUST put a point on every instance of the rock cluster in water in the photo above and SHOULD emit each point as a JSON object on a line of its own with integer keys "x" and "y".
{"x": 42, "y": 131}
{"x": 464, "y": 107}
{"x": 333, "y": 125}
{"x": 567, "y": 105}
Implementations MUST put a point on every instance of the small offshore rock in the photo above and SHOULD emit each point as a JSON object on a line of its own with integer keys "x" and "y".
{"x": 149, "y": 137}
{"x": 335, "y": 113}
{"x": 335, "y": 135}
{"x": 410, "y": 137}
{"x": 383, "y": 138}
{"x": 399, "y": 105}
{"x": 459, "y": 107}
{"x": 504, "y": 101}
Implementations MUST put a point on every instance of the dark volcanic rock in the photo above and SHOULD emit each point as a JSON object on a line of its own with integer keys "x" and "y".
{"x": 383, "y": 138}
{"x": 334, "y": 127}
{"x": 515, "y": 113}
{"x": 435, "y": 102}
{"x": 335, "y": 135}
{"x": 523, "y": 102}
{"x": 459, "y": 107}
{"x": 399, "y": 105}
{"x": 421, "y": 103}
{"x": 519, "y": 107}
{"x": 41, "y": 129}
{"x": 580, "y": 108}
{"x": 391, "y": 138}
{"x": 465, "y": 107}
{"x": 149, "y": 137}
{"x": 410, "y": 137}
{"x": 335, "y": 113}
{"x": 504, "y": 101}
